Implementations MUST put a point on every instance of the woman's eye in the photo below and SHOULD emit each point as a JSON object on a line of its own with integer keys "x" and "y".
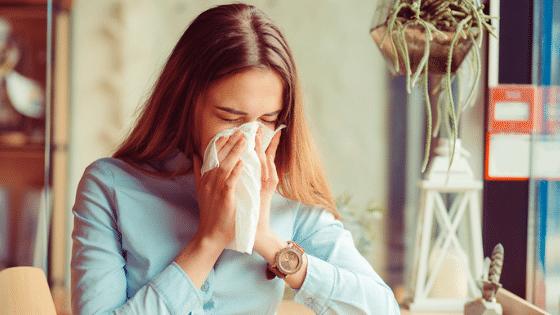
{"x": 229, "y": 120}
{"x": 271, "y": 122}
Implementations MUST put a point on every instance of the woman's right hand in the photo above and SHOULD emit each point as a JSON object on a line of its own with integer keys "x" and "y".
{"x": 215, "y": 193}
{"x": 215, "y": 190}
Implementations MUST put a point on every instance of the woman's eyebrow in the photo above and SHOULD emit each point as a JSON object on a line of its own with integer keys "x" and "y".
{"x": 231, "y": 110}
{"x": 273, "y": 113}
{"x": 237, "y": 112}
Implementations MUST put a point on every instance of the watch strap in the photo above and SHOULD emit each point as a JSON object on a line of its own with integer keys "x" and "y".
{"x": 272, "y": 271}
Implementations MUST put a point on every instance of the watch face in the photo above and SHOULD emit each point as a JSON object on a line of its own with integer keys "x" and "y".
{"x": 289, "y": 261}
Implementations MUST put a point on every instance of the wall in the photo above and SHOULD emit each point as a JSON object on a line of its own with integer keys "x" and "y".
{"x": 118, "y": 48}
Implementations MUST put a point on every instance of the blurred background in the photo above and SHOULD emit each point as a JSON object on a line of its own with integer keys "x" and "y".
{"x": 84, "y": 67}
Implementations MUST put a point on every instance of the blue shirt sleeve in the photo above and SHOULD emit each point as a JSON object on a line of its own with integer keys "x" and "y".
{"x": 119, "y": 265}
{"x": 339, "y": 280}
{"x": 99, "y": 284}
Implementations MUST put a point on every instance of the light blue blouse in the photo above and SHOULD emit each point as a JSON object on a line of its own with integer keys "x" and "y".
{"x": 130, "y": 226}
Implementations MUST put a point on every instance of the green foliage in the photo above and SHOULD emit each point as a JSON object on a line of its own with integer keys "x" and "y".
{"x": 443, "y": 18}
{"x": 359, "y": 222}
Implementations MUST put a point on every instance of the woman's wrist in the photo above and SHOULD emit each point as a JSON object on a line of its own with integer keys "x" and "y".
{"x": 267, "y": 244}
{"x": 198, "y": 258}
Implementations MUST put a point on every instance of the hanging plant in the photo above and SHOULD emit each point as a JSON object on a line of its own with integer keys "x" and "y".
{"x": 423, "y": 37}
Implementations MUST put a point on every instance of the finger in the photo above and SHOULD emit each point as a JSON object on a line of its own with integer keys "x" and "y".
{"x": 230, "y": 161}
{"x": 273, "y": 146}
{"x": 221, "y": 142}
{"x": 201, "y": 179}
{"x": 224, "y": 150}
{"x": 272, "y": 174}
{"x": 259, "y": 148}
{"x": 272, "y": 167}
{"x": 231, "y": 181}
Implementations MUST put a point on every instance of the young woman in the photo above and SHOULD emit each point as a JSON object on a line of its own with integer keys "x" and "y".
{"x": 150, "y": 231}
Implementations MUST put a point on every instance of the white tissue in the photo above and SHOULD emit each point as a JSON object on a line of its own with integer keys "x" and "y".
{"x": 248, "y": 189}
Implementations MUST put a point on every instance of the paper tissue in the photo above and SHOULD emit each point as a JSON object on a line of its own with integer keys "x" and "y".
{"x": 248, "y": 188}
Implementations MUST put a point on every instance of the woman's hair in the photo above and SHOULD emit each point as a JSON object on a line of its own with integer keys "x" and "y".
{"x": 221, "y": 41}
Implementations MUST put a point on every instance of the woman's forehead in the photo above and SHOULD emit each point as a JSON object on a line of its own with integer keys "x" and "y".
{"x": 247, "y": 91}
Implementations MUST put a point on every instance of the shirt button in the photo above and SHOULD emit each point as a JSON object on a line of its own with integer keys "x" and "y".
{"x": 205, "y": 286}
{"x": 208, "y": 305}
{"x": 309, "y": 301}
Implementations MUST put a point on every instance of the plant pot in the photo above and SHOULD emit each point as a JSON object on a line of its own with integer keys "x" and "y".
{"x": 415, "y": 38}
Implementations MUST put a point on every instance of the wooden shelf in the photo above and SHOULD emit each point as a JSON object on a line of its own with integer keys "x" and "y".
{"x": 28, "y": 152}
{"x": 22, "y": 168}
{"x": 64, "y": 4}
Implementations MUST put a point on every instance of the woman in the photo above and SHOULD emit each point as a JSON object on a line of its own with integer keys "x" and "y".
{"x": 150, "y": 231}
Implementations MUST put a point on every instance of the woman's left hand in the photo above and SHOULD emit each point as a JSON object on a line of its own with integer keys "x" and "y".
{"x": 269, "y": 179}
{"x": 267, "y": 244}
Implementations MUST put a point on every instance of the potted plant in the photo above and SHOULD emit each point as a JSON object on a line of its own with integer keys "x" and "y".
{"x": 363, "y": 225}
{"x": 423, "y": 37}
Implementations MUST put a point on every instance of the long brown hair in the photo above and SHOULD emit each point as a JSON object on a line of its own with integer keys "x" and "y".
{"x": 224, "y": 40}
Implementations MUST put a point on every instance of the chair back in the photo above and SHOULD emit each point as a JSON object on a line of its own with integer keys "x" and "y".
{"x": 25, "y": 291}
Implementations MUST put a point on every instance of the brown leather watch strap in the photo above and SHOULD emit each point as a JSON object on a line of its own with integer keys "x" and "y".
{"x": 273, "y": 271}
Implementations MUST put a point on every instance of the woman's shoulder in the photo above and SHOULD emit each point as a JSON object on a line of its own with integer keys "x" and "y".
{"x": 113, "y": 169}
{"x": 120, "y": 167}
{"x": 97, "y": 183}
{"x": 311, "y": 222}
{"x": 107, "y": 162}
{"x": 302, "y": 212}
{"x": 106, "y": 166}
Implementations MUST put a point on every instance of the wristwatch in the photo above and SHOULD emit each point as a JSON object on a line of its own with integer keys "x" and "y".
{"x": 288, "y": 261}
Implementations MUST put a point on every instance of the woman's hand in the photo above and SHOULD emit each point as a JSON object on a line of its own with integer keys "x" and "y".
{"x": 215, "y": 190}
{"x": 267, "y": 244}
{"x": 215, "y": 193}
{"x": 269, "y": 178}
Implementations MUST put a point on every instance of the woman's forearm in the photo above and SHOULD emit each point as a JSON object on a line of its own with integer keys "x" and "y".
{"x": 198, "y": 258}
